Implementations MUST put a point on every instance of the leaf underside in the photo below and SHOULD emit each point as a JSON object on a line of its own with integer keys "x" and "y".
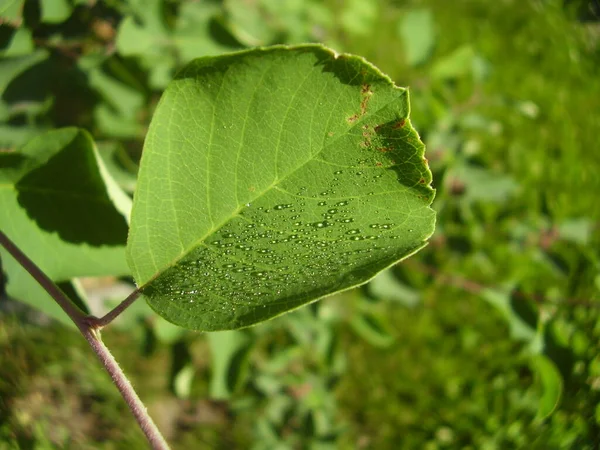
{"x": 271, "y": 178}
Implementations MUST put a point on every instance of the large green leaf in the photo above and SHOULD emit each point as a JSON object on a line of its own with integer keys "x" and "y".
{"x": 60, "y": 206}
{"x": 271, "y": 178}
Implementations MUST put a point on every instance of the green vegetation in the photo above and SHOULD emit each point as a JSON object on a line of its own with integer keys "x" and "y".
{"x": 486, "y": 339}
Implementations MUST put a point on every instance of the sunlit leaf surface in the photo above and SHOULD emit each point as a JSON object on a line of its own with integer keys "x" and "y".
{"x": 271, "y": 178}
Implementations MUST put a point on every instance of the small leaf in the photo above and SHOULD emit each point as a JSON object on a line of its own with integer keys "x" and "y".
{"x": 249, "y": 24}
{"x": 119, "y": 164}
{"x": 455, "y": 65}
{"x": 481, "y": 184}
{"x": 417, "y": 32}
{"x": 166, "y": 332}
{"x": 271, "y": 178}
{"x": 229, "y": 358}
{"x": 134, "y": 39}
{"x": 359, "y": 17}
{"x": 577, "y": 230}
{"x": 13, "y": 66}
{"x": 182, "y": 384}
{"x": 55, "y": 11}
{"x": 388, "y": 287}
{"x": 552, "y": 385}
{"x": 11, "y": 11}
{"x": 519, "y": 317}
{"x": 199, "y": 33}
{"x": 21, "y": 44}
{"x": 372, "y": 329}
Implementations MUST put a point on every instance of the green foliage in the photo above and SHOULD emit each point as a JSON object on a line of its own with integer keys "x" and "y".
{"x": 487, "y": 338}
{"x": 271, "y": 182}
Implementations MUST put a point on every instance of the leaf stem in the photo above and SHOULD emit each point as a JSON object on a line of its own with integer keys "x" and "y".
{"x": 114, "y": 313}
{"x": 89, "y": 326}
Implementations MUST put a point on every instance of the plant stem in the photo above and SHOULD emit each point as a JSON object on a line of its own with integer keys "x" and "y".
{"x": 139, "y": 410}
{"x": 67, "y": 305}
{"x": 114, "y": 313}
{"x": 89, "y": 326}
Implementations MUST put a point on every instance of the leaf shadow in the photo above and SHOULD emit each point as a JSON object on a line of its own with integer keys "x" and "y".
{"x": 67, "y": 196}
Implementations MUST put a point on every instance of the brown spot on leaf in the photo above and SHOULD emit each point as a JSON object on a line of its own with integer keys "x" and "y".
{"x": 399, "y": 124}
{"x": 366, "y": 93}
{"x": 353, "y": 118}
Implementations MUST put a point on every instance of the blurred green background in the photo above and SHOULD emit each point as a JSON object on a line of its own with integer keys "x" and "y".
{"x": 486, "y": 339}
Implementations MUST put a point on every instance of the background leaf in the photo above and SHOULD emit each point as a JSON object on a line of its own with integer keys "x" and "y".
{"x": 417, "y": 31}
{"x": 551, "y": 382}
{"x": 229, "y": 360}
{"x": 63, "y": 210}
{"x": 271, "y": 178}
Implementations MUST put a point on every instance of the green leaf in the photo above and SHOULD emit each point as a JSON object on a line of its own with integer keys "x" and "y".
{"x": 135, "y": 39}
{"x": 516, "y": 314}
{"x": 250, "y": 25}
{"x": 388, "y": 287}
{"x": 118, "y": 115}
{"x": 55, "y": 11}
{"x": 229, "y": 351}
{"x": 20, "y": 44}
{"x": 198, "y": 32}
{"x": 119, "y": 164}
{"x": 372, "y": 329}
{"x": 11, "y": 11}
{"x": 359, "y": 17}
{"x": 552, "y": 385}
{"x": 577, "y": 230}
{"x": 16, "y": 136}
{"x": 182, "y": 384}
{"x": 417, "y": 32}
{"x": 271, "y": 178}
{"x": 482, "y": 185}
{"x": 63, "y": 210}
{"x": 166, "y": 332}
{"x": 13, "y": 66}
{"x": 455, "y": 65}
